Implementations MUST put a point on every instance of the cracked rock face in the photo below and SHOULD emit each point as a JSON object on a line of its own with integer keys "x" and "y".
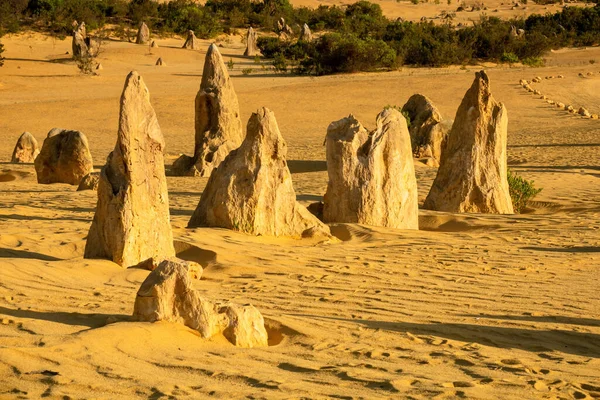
{"x": 371, "y": 174}
{"x": 132, "y": 221}
{"x": 251, "y": 191}
{"x": 472, "y": 177}
{"x": 167, "y": 294}
{"x": 217, "y": 123}
{"x": 64, "y": 158}
{"x": 26, "y": 149}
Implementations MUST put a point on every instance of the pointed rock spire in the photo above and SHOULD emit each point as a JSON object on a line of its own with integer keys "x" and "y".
{"x": 218, "y": 125}
{"x": 251, "y": 48}
{"x": 305, "y": 34}
{"x": 252, "y": 189}
{"x": 473, "y": 172}
{"x": 191, "y": 42}
{"x": 132, "y": 222}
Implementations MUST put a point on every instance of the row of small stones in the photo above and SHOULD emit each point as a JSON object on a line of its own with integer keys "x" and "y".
{"x": 582, "y": 110}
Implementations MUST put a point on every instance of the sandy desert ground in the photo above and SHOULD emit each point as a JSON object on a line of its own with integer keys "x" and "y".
{"x": 469, "y": 306}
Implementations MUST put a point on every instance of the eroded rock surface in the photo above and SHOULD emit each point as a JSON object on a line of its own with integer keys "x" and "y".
{"x": 132, "y": 222}
{"x": 251, "y": 191}
{"x": 64, "y": 158}
{"x": 428, "y": 130}
{"x": 473, "y": 172}
{"x": 80, "y": 42}
{"x": 167, "y": 294}
{"x": 191, "y": 43}
{"x": 371, "y": 174}
{"x": 88, "y": 182}
{"x": 26, "y": 149}
{"x": 217, "y": 124}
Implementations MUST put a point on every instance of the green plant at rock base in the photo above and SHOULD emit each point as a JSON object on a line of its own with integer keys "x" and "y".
{"x": 521, "y": 191}
{"x": 230, "y": 64}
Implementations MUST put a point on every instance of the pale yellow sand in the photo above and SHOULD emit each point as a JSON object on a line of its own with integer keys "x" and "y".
{"x": 470, "y": 306}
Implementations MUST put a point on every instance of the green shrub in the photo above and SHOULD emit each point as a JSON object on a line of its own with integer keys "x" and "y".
{"x": 182, "y": 15}
{"x": 509, "y": 58}
{"x": 521, "y": 191}
{"x": 1, "y": 51}
{"x": 270, "y": 46}
{"x": 246, "y": 71}
{"x": 533, "y": 61}
{"x": 279, "y": 63}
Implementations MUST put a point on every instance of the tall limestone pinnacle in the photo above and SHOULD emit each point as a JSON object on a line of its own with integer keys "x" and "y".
{"x": 132, "y": 222}
{"x": 217, "y": 123}
{"x": 371, "y": 174}
{"x": 473, "y": 169}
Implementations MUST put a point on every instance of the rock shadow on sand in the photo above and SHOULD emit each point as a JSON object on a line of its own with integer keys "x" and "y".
{"x": 554, "y": 319}
{"x": 537, "y": 341}
{"x": 12, "y": 253}
{"x": 303, "y": 166}
{"x": 570, "y": 249}
{"x": 92, "y": 320}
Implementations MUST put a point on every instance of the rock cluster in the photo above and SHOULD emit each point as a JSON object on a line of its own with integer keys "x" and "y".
{"x": 167, "y": 294}
{"x": 284, "y": 31}
{"x": 251, "y": 48}
{"x": 26, "y": 149}
{"x": 217, "y": 123}
{"x": 428, "y": 130}
{"x": 143, "y": 35}
{"x": 371, "y": 174}
{"x": 251, "y": 191}
{"x": 473, "y": 172}
{"x": 64, "y": 158}
{"x": 132, "y": 222}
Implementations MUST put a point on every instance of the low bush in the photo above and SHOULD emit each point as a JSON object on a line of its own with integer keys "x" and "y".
{"x": 521, "y": 191}
{"x": 533, "y": 61}
{"x": 1, "y": 51}
{"x": 509, "y": 58}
